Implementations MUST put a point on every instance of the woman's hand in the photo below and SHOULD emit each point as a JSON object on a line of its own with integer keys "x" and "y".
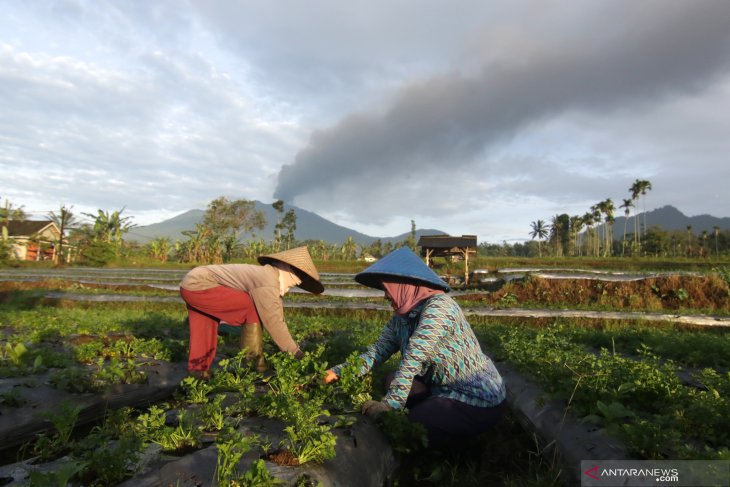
{"x": 330, "y": 376}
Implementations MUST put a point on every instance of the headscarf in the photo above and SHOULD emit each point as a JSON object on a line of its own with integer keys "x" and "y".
{"x": 405, "y": 296}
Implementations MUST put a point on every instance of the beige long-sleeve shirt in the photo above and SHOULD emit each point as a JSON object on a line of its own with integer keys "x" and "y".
{"x": 260, "y": 282}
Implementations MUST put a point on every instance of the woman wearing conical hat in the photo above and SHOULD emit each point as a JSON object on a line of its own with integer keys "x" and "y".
{"x": 444, "y": 379}
{"x": 248, "y": 296}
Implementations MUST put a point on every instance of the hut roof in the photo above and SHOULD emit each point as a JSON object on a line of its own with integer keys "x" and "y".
{"x": 26, "y": 228}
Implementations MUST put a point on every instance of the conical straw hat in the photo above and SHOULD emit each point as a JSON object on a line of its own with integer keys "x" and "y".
{"x": 301, "y": 261}
{"x": 401, "y": 265}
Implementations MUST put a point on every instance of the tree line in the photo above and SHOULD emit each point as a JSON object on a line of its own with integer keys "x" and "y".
{"x": 593, "y": 234}
{"x": 216, "y": 239}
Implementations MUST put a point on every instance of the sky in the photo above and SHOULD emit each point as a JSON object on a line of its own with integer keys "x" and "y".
{"x": 478, "y": 119}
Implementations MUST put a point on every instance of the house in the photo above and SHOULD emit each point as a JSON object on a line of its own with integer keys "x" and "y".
{"x": 33, "y": 240}
{"x": 451, "y": 247}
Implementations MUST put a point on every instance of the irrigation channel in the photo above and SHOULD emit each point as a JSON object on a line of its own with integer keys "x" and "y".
{"x": 363, "y": 456}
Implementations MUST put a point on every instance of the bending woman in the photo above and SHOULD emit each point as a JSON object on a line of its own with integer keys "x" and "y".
{"x": 245, "y": 295}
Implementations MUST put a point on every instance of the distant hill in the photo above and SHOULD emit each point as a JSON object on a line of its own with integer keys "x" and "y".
{"x": 670, "y": 218}
{"x": 310, "y": 226}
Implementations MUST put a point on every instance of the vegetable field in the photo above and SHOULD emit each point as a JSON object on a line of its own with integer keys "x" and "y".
{"x": 93, "y": 387}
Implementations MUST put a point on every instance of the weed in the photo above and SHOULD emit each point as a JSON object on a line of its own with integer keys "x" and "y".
{"x": 12, "y": 399}
{"x": 404, "y": 435}
{"x": 59, "y": 477}
{"x": 64, "y": 421}
{"x": 107, "y": 461}
{"x": 72, "y": 379}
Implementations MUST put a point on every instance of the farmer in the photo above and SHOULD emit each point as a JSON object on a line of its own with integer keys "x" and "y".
{"x": 244, "y": 295}
{"x": 444, "y": 379}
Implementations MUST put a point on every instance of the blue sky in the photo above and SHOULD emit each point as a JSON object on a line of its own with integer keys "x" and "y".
{"x": 476, "y": 120}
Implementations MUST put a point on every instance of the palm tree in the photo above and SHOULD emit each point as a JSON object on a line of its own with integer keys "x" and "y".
{"x": 689, "y": 240}
{"x": 627, "y": 205}
{"x": 597, "y": 214}
{"x": 642, "y": 186}
{"x": 556, "y": 233}
{"x": 539, "y": 231}
{"x": 589, "y": 220}
{"x": 64, "y": 220}
{"x": 716, "y": 233}
{"x": 12, "y": 212}
{"x": 576, "y": 225}
{"x": 607, "y": 208}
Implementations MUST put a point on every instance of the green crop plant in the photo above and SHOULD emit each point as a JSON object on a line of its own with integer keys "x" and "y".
{"x": 107, "y": 460}
{"x": 15, "y": 360}
{"x": 212, "y": 415}
{"x": 306, "y": 437}
{"x": 636, "y": 396}
{"x": 231, "y": 446}
{"x": 257, "y": 475}
{"x": 116, "y": 371}
{"x": 150, "y": 424}
{"x": 14, "y": 354}
{"x": 351, "y": 390}
{"x": 233, "y": 374}
{"x": 72, "y": 379}
{"x": 88, "y": 353}
{"x": 196, "y": 390}
{"x": 182, "y": 437}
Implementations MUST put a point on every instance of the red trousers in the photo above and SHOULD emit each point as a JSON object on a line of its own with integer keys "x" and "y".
{"x": 208, "y": 308}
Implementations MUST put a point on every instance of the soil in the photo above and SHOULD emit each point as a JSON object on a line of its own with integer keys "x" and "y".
{"x": 708, "y": 293}
{"x": 283, "y": 457}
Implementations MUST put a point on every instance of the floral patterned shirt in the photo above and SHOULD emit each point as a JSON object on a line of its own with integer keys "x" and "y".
{"x": 436, "y": 343}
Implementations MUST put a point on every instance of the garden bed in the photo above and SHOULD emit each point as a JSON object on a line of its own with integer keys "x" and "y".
{"x": 608, "y": 389}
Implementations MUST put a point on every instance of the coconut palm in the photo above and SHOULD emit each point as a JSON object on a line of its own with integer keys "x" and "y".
{"x": 11, "y": 212}
{"x": 627, "y": 205}
{"x": 716, "y": 233}
{"x": 64, "y": 220}
{"x": 539, "y": 231}
{"x": 576, "y": 225}
{"x": 588, "y": 220}
{"x": 689, "y": 240}
{"x": 556, "y": 232}
{"x": 641, "y": 187}
{"x": 607, "y": 208}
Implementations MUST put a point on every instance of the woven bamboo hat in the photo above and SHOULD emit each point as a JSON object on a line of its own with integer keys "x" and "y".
{"x": 301, "y": 261}
{"x": 401, "y": 265}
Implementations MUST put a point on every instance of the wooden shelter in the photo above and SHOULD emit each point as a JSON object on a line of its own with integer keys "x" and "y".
{"x": 450, "y": 247}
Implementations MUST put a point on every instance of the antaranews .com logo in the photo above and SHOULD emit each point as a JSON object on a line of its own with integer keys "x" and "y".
{"x": 629, "y": 473}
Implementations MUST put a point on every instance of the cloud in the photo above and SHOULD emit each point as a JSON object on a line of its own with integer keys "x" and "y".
{"x": 436, "y": 128}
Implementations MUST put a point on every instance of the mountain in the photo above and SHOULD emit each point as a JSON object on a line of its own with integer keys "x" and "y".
{"x": 310, "y": 226}
{"x": 670, "y": 218}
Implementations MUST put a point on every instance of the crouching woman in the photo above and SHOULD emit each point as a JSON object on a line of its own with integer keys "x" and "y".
{"x": 444, "y": 379}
